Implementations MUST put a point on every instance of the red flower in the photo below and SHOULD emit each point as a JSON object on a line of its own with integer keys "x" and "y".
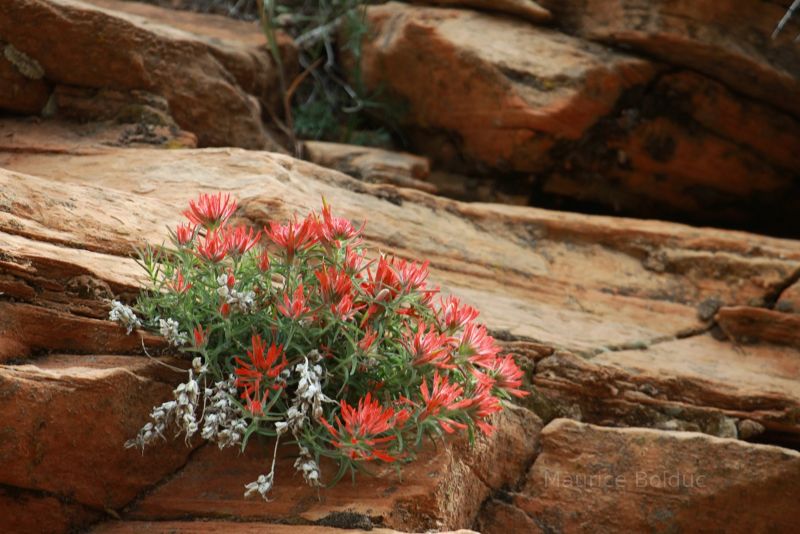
{"x": 478, "y": 346}
{"x": 333, "y": 284}
{"x": 443, "y": 396}
{"x": 295, "y": 307}
{"x": 241, "y": 239}
{"x": 429, "y": 347}
{"x": 225, "y": 309}
{"x": 292, "y": 236}
{"x": 368, "y": 340}
{"x": 213, "y": 247}
{"x": 211, "y": 211}
{"x": 505, "y": 374}
{"x": 332, "y": 229}
{"x": 344, "y": 309}
{"x": 359, "y": 429}
{"x": 185, "y": 233}
{"x": 200, "y": 336}
{"x": 353, "y": 262}
{"x": 263, "y": 261}
{"x": 453, "y": 315}
{"x": 180, "y": 285}
{"x": 411, "y": 275}
{"x": 260, "y": 369}
{"x": 484, "y": 405}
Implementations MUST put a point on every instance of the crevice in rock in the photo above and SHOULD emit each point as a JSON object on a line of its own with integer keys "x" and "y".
{"x": 126, "y": 509}
{"x": 772, "y": 297}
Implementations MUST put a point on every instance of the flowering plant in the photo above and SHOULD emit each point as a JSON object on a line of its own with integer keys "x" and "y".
{"x": 293, "y": 332}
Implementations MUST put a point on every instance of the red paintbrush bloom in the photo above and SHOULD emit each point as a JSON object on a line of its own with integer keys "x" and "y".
{"x": 180, "y": 284}
{"x": 453, "y": 315}
{"x": 353, "y": 262}
{"x": 505, "y": 374}
{"x": 383, "y": 277}
{"x": 200, "y": 336}
{"x": 211, "y": 211}
{"x": 366, "y": 342}
{"x": 295, "y": 307}
{"x": 411, "y": 275}
{"x": 261, "y": 368}
{"x": 292, "y": 236}
{"x": 185, "y": 233}
{"x": 344, "y": 309}
{"x": 330, "y": 230}
{"x": 484, "y": 404}
{"x": 477, "y": 346}
{"x": 241, "y": 239}
{"x": 443, "y": 396}
{"x": 212, "y": 247}
{"x": 263, "y": 261}
{"x": 428, "y": 346}
{"x": 359, "y": 429}
{"x": 225, "y": 309}
{"x": 333, "y": 284}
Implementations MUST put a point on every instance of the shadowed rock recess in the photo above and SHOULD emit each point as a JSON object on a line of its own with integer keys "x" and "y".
{"x": 663, "y": 359}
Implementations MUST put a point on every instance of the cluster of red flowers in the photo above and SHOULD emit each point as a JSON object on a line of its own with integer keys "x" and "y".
{"x": 377, "y": 317}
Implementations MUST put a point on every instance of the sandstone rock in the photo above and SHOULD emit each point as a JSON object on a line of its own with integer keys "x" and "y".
{"x": 729, "y": 40}
{"x": 67, "y": 137}
{"x": 442, "y": 490}
{"x": 789, "y": 299}
{"x": 29, "y": 511}
{"x": 215, "y": 88}
{"x": 219, "y": 527}
{"x": 488, "y": 95}
{"x": 687, "y": 146}
{"x": 747, "y": 324}
{"x": 605, "y": 309}
{"x": 371, "y": 164}
{"x": 65, "y": 420}
{"x": 590, "y": 479}
{"x": 18, "y": 92}
{"x": 26, "y": 329}
{"x": 527, "y": 9}
{"x": 509, "y": 105}
{"x": 674, "y": 383}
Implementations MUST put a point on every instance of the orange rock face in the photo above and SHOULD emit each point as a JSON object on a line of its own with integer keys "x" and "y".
{"x": 596, "y": 126}
{"x": 64, "y": 421}
{"x": 730, "y": 40}
{"x": 590, "y": 479}
{"x": 215, "y": 79}
{"x": 619, "y": 322}
{"x": 443, "y": 489}
{"x": 508, "y": 104}
{"x": 527, "y": 9}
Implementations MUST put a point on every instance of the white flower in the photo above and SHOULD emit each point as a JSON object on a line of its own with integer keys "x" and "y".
{"x": 262, "y": 485}
{"x": 169, "y": 328}
{"x": 124, "y": 315}
{"x": 306, "y": 465}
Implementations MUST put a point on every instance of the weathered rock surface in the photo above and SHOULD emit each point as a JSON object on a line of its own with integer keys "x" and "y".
{"x": 527, "y": 9}
{"x": 215, "y": 74}
{"x": 508, "y": 104}
{"x": 64, "y": 422}
{"x": 597, "y": 126}
{"x": 590, "y": 479}
{"x": 442, "y": 490}
{"x": 371, "y": 164}
{"x": 615, "y": 317}
{"x": 789, "y": 299}
{"x": 21, "y": 86}
{"x": 222, "y": 527}
{"x": 730, "y": 40}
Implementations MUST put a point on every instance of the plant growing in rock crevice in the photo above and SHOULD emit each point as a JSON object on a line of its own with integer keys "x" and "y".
{"x": 303, "y": 338}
